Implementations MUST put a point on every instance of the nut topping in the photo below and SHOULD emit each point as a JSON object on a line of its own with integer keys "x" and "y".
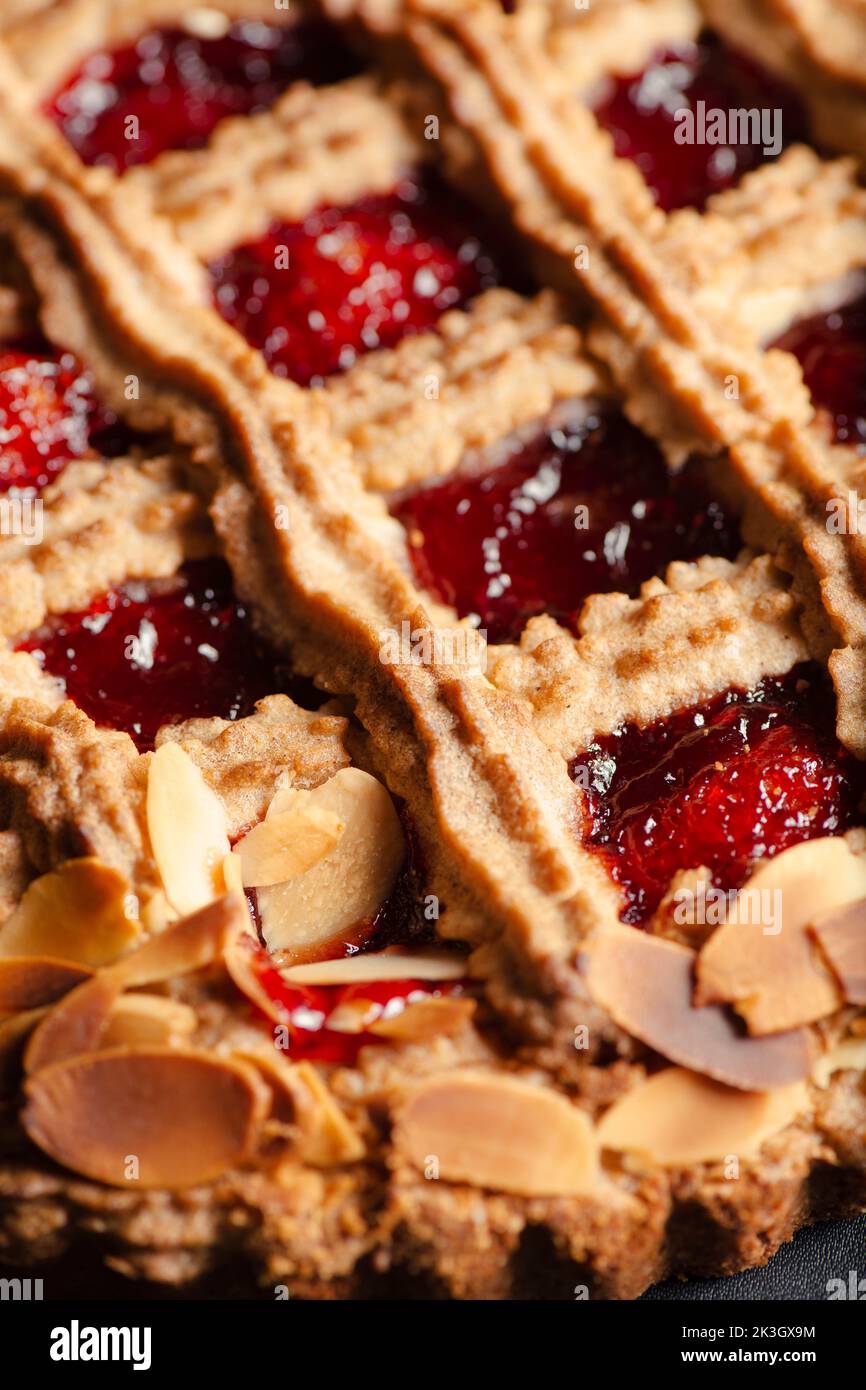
{"x": 842, "y": 937}
{"x": 500, "y": 1132}
{"x": 78, "y": 1024}
{"x": 678, "y": 1117}
{"x": 345, "y": 886}
{"x": 154, "y": 1118}
{"x": 285, "y": 845}
{"x": 28, "y": 981}
{"x": 378, "y": 965}
{"x": 772, "y": 972}
{"x": 188, "y": 829}
{"x": 647, "y": 983}
{"x": 76, "y": 913}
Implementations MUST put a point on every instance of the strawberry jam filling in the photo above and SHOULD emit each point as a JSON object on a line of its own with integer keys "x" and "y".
{"x": 738, "y": 779}
{"x": 583, "y": 508}
{"x": 308, "y": 1008}
{"x": 675, "y": 120}
{"x": 170, "y": 88}
{"x": 158, "y": 652}
{"x": 48, "y": 415}
{"x": 314, "y": 295}
{"x": 831, "y": 349}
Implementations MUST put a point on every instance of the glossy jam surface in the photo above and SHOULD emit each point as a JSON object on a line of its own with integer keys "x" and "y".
{"x": 583, "y": 509}
{"x": 307, "y": 1009}
{"x": 640, "y": 112}
{"x": 156, "y": 653}
{"x": 47, "y": 415}
{"x": 170, "y": 88}
{"x": 831, "y": 349}
{"x": 738, "y": 779}
{"x": 316, "y": 294}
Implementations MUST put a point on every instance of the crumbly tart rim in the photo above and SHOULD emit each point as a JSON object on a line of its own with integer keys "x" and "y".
{"x": 83, "y": 244}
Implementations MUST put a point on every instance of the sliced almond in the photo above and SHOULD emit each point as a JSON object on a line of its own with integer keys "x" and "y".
{"x": 157, "y": 913}
{"x": 148, "y": 1020}
{"x": 341, "y": 893}
{"x": 188, "y": 829}
{"x": 848, "y": 1055}
{"x": 370, "y": 966}
{"x": 78, "y": 1024}
{"x": 275, "y": 1069}
{"x": 28, "y": 981}
{"x": 233, "y": 874}
{"x": 842, "y": 937}
{"x": 326, "y": 1137}
{"x": 424, "y": 1019}
{"x": 246, "y": 962}
{"x": 646, "y": 984}
{"x": 76, "y": 913}
{"x": 777, "y": 979}
{"x": 186, "y": 945}
{"x": 143, "y": 1119}
{"x": 283, "y": 846}
{"x": 75, "y": 1026}
{"x": 354, "y": 1015}
{"x": 677, "y": 1118}
{"x": 14, "y": 1032}
{"x": 498, "y": 1132}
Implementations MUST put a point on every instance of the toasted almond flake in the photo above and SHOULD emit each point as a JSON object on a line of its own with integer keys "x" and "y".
{"x": 28, "y": 981}
{"x": 283, "y": 846}
{"x": 378, "y": 965}
{"x": 75, "y": 1026}
{"x": 499, "y": 1132}
{"x": 79, "y": 1022}
{"x": 848, "y": 1055}
{"x": 842, "y": 937}
{"x": 777, "y": 979}
{"x": 140, "y": 1119}
{"x": 244, "y": 958}
{"x": 14, "y": 1032}
{"x": 188, "y": 944}
{"x": 233, "y": 877}
{"x": 275, "y": 1070}
{"x": 206, "y": 23}
{"x": 339, "y": 895}
{"x": 148, "y": 1020}
{"x": 157, "y": 913}
{"x": 354, "y": 1015}
{"x": 326, "y": 1136}
{"x": 75, "y": 913}
{"x": 188, "y": 829}
{"x": 677, "y": 1118}
{"x": 425, "y": 1018}
{"x": 646, "y": 984}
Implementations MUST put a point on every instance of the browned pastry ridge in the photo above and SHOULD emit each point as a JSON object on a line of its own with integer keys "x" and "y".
{"x": 555, "y": 1126}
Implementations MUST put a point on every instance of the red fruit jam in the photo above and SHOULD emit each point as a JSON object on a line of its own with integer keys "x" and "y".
{"x": 583, "y": 508}
{"x": 641, "y": 113}
{"x": 314, "y": 295}
{"x": 831, "y": 349}
{"x": 307, "y": 1009}
{"x": 47, "y": 415}
{"x": 741, "y": 778}
{"x": 169, "y": 89}
{"x": 157, "y": 652}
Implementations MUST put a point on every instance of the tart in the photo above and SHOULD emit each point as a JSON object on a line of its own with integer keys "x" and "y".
{"x": 431, "y": 699}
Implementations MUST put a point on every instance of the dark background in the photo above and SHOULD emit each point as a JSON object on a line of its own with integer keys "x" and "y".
{"x": 799, "y": 1270}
